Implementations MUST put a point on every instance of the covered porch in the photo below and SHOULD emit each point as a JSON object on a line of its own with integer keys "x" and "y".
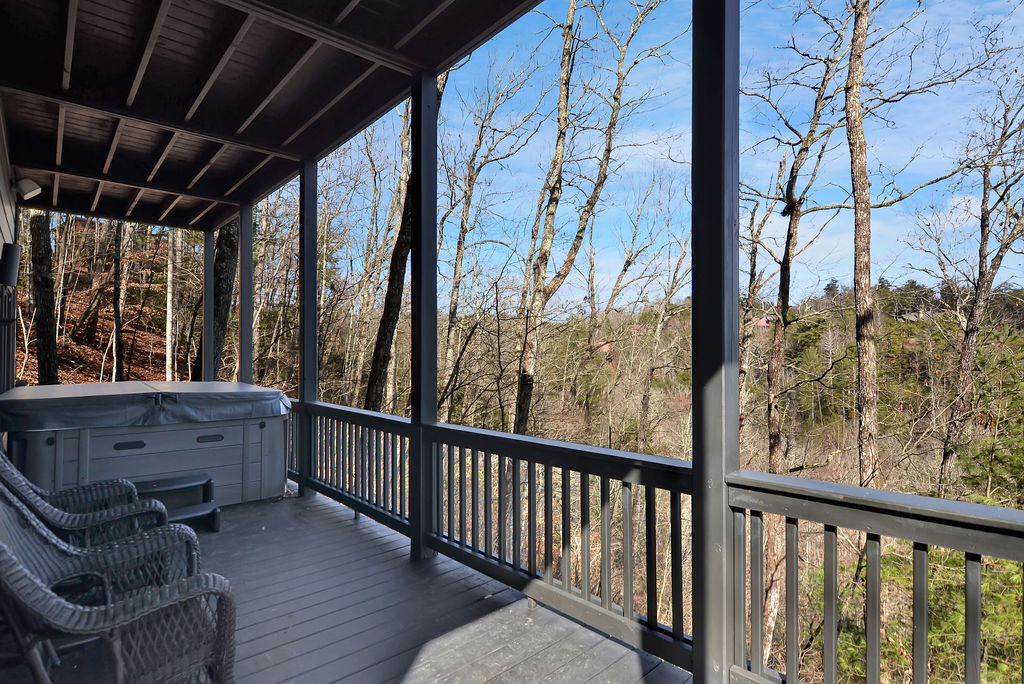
{"x": 254, "y": 92}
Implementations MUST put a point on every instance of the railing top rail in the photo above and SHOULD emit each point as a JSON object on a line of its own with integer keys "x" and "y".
{"x": 989, "y": 530}
{"x": 659, "y": 471}
{"x": 372, "y": 419}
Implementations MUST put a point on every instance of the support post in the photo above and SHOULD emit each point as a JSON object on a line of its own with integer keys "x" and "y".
{"x": 715, "y": 233}
{"x": 245, "y": 295}
{"x": 423, "y": 252}
{"x": 309, "y": 369}
{"x": 209, "y": 371}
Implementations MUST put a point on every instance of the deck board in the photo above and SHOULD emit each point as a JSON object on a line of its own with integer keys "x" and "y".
{"x": 324, "y": 597}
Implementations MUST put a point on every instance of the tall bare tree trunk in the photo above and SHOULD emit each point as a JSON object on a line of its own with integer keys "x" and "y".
{"x": 378, "y": 375}
{"x": 170, "y": 324}
{"x": 42, "y": 294}
{"x": 117, "y": 360}
{"x": 225, "y": 265}
{"x": 867, "y": 324}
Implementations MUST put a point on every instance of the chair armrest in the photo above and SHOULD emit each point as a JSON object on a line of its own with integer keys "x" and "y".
{"x": 148, "y": 559}
{"x": 161, "y": 633}
{"x": 94, "y": 496}
{"x": 111, "y": 524}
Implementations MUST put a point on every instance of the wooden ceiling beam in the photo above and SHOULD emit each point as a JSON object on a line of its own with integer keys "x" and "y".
{"x": 81, "y": 205}
{"x": 163, "y": 156}
{"x": 409, "y": 35}
{"x": 147, "y": 52}
{"x": 135, "y": 200}
{"x": 98, "y": 106}
{"x": 61, "y": 115}
{"x": 202, "y": 213}
{"x": 225, "y": 56}
{"x": 113, "y": 145}
{"x": 96, "y": 197}
{"x": 126, "y": 181}
{"x": 327, "y": 35}
{"x": 69, "y": 43}
{"x": 276, "y": 89}
{"x": 167, "y": 207}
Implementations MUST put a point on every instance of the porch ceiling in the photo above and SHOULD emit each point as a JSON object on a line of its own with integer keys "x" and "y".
{"x": 175, "y": 112}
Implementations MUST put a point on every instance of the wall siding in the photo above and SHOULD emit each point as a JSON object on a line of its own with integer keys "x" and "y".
{"x": 7, "y": 209}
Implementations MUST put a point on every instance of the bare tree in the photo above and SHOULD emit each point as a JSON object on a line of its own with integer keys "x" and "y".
{"x": 571, "y": 121}
{"x": 42, "y": 296}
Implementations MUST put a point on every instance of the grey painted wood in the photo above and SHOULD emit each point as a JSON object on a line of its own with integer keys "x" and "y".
{"x": 715, "y": 230}
{"x": 245, "y": 294}
{"x": 209, "y": 370}
{"x": 323, "y": 597}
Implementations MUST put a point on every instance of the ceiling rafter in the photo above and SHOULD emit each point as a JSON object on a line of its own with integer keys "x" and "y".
{"x": 225, "y": 57}
{"x": 147, "y": 52}
{"x": 268, "y": 12}
{"x": 163, "y": 155}
{"x": 126, "y": 181}
{"x": 167, "y": 208}
{"x": 69, "y": 43}
{"x": 96, "y": 197}
{"x": 97, "y": 106}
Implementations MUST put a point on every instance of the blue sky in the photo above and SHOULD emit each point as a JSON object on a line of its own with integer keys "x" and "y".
{"x": 920, "y": 136}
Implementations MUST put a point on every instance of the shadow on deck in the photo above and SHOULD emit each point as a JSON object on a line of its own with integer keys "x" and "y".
{"x": 323, "y": 597}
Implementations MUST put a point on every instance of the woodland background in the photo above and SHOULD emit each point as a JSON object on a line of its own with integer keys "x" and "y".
{"x": 564, "y": 298}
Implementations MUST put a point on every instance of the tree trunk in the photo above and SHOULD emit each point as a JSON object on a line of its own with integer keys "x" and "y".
{"x": 225, "y": 265}
{"x": 378, "y": 375}
{"x": 170, "y": 325}
{"x": 867, "y": 325}
{"x": 118, "y": 334}
{"x": 42, "y": 294}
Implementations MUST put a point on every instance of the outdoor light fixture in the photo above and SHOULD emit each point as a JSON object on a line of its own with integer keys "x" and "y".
{"x": 10, "y": 257}
{"x": 27, "y": 188}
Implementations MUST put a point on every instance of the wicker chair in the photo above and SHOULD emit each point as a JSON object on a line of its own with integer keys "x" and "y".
{"x": 89, "y": 515}
{"x": 140, "y": 602}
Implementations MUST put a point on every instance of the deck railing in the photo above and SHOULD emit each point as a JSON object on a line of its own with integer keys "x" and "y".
{"x": 977, "y": 531}
{"x": 602, "y": 535}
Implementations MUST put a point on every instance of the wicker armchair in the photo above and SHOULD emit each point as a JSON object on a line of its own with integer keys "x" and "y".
{"x": 90, "y": 515}
{"x": 141, "y": 598}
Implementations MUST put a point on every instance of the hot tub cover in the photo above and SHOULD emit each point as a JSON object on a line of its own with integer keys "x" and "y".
{"x": 116, "y": 404}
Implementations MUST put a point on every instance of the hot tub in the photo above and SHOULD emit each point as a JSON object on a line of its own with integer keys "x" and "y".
{"x": 66, "y": 435}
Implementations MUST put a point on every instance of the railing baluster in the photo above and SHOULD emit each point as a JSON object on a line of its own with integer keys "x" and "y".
{"x": 920, "y": 613}
{"x": 873, "y": 626}
{"x": 739, "y": 580}
{"x": 585, "y": 536}
{"x": 475, "y": 517}
{"x": 338, "y": 454}
{"x": 462, "y": 496}
{"x": 517, "y": 515}
{"x": 502, "y": 510}
{"x": 627, "y": 550}
{"x": 385, "y": 465}
{"x": 488, "y": 505}
{"x": 757, "y": 593}
{"x": 606, "y": 545}
{"x": 676, "y": 558}
{"x": 531, "y": 518}
{"x": 549, "y": 505}
{"x": 403, "y": 469}
{"x": 792, "y": 602}
{"x": 972, "y": 618}
{"x": 830, "y": 629}
{"x": 349, "y": 458}
{"x": 651, "y": 553}
{"x": 450, "y": 480}
{"x": 566, "y": 529}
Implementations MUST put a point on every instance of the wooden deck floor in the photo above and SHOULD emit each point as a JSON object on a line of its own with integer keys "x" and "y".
{"x": 322, "y": 597}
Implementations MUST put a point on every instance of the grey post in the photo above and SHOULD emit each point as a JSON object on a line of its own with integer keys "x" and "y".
{"x": 715, "y": 330}
{"x": 209, "y": 371}
{"x": 423, "y": 252}
{"x": 245, "y": 294}
{"x": 309, "y": 368}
